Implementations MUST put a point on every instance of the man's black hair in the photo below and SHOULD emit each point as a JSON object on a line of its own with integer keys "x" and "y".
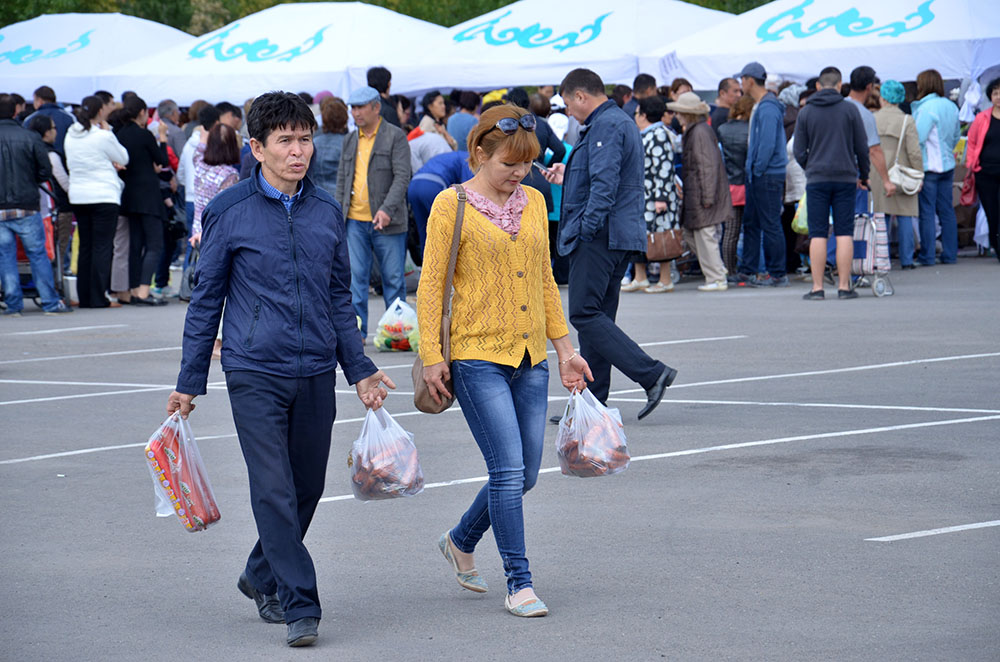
{"x": 208, "y": 117}
{"x": 726, "y": 83}
{"x": 18, "y": 99}
{"x": 225, "y": 107}
{"x": 581, "y": 79}
{"x": 830, "y": 77}
{"x": 104, "y": 96}
{"x": 519, "y": 97}
{"x": 468, "y": 100}
{"x": 7, "y": 106}
{"x": 993, "y": 84}
{"x": 861, "y": 78}
{"x": 277, "y": 110}
{"x": 653, "y": 108}
{"x": 379, "y": 78}
{"x": 811, "y": 83}
{"x": 305, "y": 96}
{"x": 46, "y": 94}
{"x": 642, "y": 83}
{"x": 40, "y": 124}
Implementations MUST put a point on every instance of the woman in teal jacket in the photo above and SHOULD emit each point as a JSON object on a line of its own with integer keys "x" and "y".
{"x": 936, "y": 118}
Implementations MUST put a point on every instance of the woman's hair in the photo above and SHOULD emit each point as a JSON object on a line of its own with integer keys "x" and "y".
{"x": 222, "y": 147}
{"x": 334, "y": 113}
{"x": 742, "y": 108}
{"x": 678, "y": 83}
{"x": 929, "y": 82}
{"x": 41, "y": 124}
{"x": 88, "y": 110}
{"x": 993, "y": 84}
{"x": 428, "y": 100}
{"x": 118, "y": 118}
{"x": 652, "y": 108}
{"x": 690, "y": 119}
{"x": 519, "y": 97}
{"x": 133, "y": 107}
{"x": 520, "y": 146}
{"x": 195, "y": 108}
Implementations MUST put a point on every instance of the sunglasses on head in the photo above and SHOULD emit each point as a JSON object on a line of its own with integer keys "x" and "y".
{"x": 508, "y": 125}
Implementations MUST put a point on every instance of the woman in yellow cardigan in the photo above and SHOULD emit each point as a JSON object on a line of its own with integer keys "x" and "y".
{"x": 506, "y": 303}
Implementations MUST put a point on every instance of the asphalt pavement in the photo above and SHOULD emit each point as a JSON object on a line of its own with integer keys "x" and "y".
{"x": 796, "y": 434}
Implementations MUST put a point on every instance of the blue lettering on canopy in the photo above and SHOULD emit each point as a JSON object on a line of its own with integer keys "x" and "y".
{"x": 26, "y": 54}
{"x": 850, "y": 23}
{"x": 257, "y": 51}
{"x": 533, "y": 36}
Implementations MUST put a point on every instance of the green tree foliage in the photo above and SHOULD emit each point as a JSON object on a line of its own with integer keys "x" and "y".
{"x": 201, "y": 16}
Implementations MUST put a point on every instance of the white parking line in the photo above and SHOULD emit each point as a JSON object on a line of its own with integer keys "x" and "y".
{"x": 69, "y": 328}
{"x": 87, "y": 356}
{"x": 814, "y": 373}
{"x": 935, "y": 532}
{"x": 55, "y": 383}
{"x": 821, "y": 405}
{"x": 725, "y": 447}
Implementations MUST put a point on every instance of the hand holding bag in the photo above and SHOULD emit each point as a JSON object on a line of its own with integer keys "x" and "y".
{"x": 907, "y": 179}
{"x": 422, "y": 399}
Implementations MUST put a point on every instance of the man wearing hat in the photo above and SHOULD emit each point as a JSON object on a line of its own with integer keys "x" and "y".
{"x": 372, "y": 180}
{"x": 765, "y": 181}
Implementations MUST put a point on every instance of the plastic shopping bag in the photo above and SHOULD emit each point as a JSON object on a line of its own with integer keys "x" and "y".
{"x": 179, "y": 478}
{"x": 591, "y": 439}
{"x": 383, "y": 460}
{"x": 800, "y": 223}
{"x": 397, "y": 330}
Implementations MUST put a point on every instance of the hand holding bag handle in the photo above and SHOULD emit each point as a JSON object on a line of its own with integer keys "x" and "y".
{"x": 422, "y": 399}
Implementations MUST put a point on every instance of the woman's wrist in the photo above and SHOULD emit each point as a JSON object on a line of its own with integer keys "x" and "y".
{"x": 564, "y": 361}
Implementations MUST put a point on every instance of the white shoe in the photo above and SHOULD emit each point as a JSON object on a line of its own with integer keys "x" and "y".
{"x": 717, "y": 286}
{"x": 635, "y": 285}
{"x": 658, "y": 288}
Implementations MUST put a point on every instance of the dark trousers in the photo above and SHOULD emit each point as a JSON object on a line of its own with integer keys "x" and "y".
{"x": 96, "y": 225}
{"x": 595, "y": 274}
{"x": 420, "y": 195}
{"x": 145, "y": 247}
{"x": 792, "y": 259}
{"x": 284, "y": 427}
{"x": 988, "y": 189}
{"x": 731, "y": 238}
{"x": 762, "y": 221}
{"x": 560, "y": 263}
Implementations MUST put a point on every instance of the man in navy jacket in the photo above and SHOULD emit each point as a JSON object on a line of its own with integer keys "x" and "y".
{"x": 601, "y": 226}
{"x": 765, "y": 185}
{"x": 274, "y": 249}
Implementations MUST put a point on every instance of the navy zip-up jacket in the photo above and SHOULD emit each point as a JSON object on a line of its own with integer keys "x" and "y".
{"x": 285, "y": 278}
{"x": 603, "y": 184}
{"x": 766, "y": 154}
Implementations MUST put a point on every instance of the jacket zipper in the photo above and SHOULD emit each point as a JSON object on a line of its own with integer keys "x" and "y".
{"x": 253, "y": 326}
{"x": 298, "y": 293}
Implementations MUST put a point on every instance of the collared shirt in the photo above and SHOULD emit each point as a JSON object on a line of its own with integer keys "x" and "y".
{"x": 271, "y": 192}
{"x": 360, "y": 209}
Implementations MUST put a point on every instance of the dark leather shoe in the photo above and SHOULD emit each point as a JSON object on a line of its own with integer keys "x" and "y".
{"x": 555, "y": 420}
{"x": 267, "y": 605}
{"x": 655, "y": 393}
{"x": 303, "y": 632}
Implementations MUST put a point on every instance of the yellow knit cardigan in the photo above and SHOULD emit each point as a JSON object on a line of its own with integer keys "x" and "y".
{"x": 506, "y": 300}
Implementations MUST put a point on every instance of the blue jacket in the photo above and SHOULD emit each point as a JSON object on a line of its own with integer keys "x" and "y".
{"x": 285, "y": 278}
{"x": 766, "y": 153}
{"x": 604, "y": 183}
{"x": 938, "y": 128}
{"x": 60, "y": 117}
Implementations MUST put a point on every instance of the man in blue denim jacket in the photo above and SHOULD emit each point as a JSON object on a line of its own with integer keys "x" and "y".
{"x": 274, "y": 249}
{"x": 601, "y": 225}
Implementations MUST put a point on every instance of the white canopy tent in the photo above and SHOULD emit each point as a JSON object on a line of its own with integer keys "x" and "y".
{"x": 293, "y": 47}
{"x": 540, "y": 41}
{"x": 797, "y": 38}
{"x": 65, "y": 51}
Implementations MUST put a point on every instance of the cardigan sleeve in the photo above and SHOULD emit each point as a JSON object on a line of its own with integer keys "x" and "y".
{"x": 430, "y": 291}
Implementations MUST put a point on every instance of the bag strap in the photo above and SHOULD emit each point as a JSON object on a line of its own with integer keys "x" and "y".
{"x": 899, "y": 146}
{"x": 456, "y": 237}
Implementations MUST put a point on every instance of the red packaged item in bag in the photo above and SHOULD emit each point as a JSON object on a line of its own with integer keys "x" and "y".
{"x": 180, "y": 482}
{"x": 383, "y": 460}
{"x": 591, "y": 438}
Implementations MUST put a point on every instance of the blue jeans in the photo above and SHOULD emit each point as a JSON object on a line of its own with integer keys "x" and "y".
{"x": 32, "y": 234}
{"x": 505, "y": 408}
{"x": 390, "y": 251}
{"x": 935, "y": 197}
{"x": 904, "y": 234}
{"x": 762, "y": 216}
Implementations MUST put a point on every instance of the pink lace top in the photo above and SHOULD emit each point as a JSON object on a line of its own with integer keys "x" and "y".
{"x": 508, "y": 217}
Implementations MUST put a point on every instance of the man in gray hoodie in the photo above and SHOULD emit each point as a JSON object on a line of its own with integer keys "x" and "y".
{"x": 830, "y": 144}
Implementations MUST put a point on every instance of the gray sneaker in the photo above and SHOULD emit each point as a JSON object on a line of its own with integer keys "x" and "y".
{"x": 61, "y": 309}
{"x": 7, "y": 312}
{"x": 779, "y": 282}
